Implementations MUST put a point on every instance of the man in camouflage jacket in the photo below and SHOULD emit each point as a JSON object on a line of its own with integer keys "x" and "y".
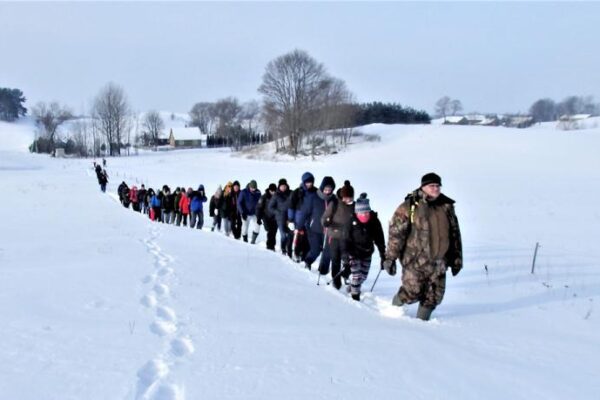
{"x": 425, "y": 237}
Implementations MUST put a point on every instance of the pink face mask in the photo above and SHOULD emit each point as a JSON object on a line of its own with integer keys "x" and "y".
{"x": 364, "y": 217}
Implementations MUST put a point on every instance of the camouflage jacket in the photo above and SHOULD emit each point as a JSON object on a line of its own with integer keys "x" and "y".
{"x": 409, "y": 233}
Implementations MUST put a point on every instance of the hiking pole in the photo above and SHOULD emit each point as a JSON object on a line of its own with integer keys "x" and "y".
{"x": 377, "y": 277}
{"x": 337, "y": 275}
{"x": 319, "y": 270}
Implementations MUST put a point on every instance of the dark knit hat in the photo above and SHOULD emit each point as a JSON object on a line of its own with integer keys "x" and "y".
{"x": 347, "y": 190}
{"x": 431, "y": 178}
{"x": 272, "y": 187}
{"x": 283, "y": 181}
{"x": 252, "y": 184}
{"x": 308, "y": 177}
{"x": 327, "y": 181}
{"x": 235, "y": 183}
{"x": 362, "y": 204}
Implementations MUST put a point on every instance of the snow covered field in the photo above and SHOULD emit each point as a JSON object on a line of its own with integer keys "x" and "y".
{"x": 100, "y": 303}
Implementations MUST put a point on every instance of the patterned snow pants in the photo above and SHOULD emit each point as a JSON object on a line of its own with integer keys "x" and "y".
{"x": 359, "y": 270}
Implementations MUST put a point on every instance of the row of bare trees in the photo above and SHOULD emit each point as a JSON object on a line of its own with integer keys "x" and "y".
{"x": 301, "y": 103}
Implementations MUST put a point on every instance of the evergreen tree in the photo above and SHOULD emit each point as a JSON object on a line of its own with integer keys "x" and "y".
{"x": 11, "y": 104}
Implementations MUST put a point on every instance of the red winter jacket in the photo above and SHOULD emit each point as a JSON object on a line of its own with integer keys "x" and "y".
{"x": 184, "y": 204}
{"x": 133, "y": 197}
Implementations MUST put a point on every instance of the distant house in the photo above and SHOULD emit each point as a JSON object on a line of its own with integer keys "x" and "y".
{"x": 475, "y": 119}
{"x": 186, "y": 138}
{"x": 570, "y": 122}
{"x": 456, "y": 120}
{"x": 519, "y": 121}
{"x": 490, "y": 121}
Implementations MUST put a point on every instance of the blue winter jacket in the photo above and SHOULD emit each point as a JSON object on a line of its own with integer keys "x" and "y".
{"x": 247, "y": 202}
{"x": 197, "y": 200}
{"x": 315, "y": 208}
{"x": 300, "y": 201}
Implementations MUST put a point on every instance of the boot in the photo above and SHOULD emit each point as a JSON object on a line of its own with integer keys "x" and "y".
{"x": 424, "y": 313}
{"x": 245, "y": 237}
{"x": 307, "y": 266}
{"x": 356, "y": 297}
{"x": 254, "y": 236}
{"x": 396, "y": 300}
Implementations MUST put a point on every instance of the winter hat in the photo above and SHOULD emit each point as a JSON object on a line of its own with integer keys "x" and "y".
{"x": 327, "y": 181}
{"x": 362, "y": 204}
{"x": 235, "y": 183}
{"x": 201, "y": 188}
{"x": 431, "y": 178}
{"x": 283, "y": 181}
{"x": 308, "y": 177}
{"x": 218, "y": 192}
{"x": 252, "y": 184}
{"x": 347, "y": 190}
{"x": 272, "y": 187}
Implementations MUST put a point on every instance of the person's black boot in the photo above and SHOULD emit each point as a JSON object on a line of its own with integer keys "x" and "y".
{"x": 245, "y": 237}
{"x": 356, "y": 297}
{"x": 424, "y": 313}
{"x": 307, "y": 266}
{"x": 254, "y": 236}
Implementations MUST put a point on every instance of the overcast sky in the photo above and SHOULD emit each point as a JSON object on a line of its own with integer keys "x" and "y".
{"x": 494, "y": 57}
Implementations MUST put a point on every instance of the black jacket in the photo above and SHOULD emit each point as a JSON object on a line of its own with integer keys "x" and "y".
{"x": 278, "y": 206}
{"x": 358, "y": 238}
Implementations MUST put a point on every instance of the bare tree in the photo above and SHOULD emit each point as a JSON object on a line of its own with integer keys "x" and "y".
{"x": 81, "y": 135}
{"x": 442, "y": 106}
{"x": 49, "y": 117}
{"x": 249, "y": 113}
{"x": 455, "y": 106}
{"x": 202, "y": 116}
{"x": 112, "y": 111}
{"x": 227, "y": 112}
{"x": 153, "y": 125}
{"x": 291, "y": 86}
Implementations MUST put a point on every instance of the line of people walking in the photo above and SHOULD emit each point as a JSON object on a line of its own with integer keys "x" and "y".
{"x": 328, "y": 227}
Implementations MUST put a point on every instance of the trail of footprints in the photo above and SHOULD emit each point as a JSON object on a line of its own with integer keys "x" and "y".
{"x": 153, "y": 380}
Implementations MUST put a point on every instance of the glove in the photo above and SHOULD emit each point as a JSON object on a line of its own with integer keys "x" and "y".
{"x": 455, "y": 271}
{"x": 390, "y": 267}
{"x": 346, "y": 269}
{"x": 259, "y": 222}
{"x": 244, "y": 216}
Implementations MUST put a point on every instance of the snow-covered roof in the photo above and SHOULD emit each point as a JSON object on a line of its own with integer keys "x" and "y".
{"x": 191, "y": 133}
{"x": 454, "y": 119}
{"x": 575, "y": 117}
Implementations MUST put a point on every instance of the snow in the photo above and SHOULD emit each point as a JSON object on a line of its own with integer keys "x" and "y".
{"x": 100, "y": 303}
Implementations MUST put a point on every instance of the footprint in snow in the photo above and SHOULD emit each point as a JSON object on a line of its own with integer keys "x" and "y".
{"x": 182, "y": 347}
{"x": 168, "y": 392}
{"x": 165, "y": 271}
{"x": 149, "y": 375}
{"x": 166, "y": 313}
{"x": 148, "y": 300}
{"x": 161, "y": 289}
{"x": 163, "y": 328}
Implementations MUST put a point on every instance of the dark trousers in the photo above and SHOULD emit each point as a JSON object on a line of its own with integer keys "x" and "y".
{"x": 315, "y": 241}
{"x": 271, "y": 228}
{"x": 335, "y": 253}
{"x": 236, "y": 227}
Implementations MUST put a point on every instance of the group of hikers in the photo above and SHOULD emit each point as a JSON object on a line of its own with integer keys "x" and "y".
{"x": 320, "y": 223}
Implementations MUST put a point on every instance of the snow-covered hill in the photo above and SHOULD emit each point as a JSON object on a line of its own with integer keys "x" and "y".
{"x": 100, "y": 303}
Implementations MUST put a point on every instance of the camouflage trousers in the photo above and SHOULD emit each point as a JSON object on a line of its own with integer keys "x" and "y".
{"x": 425, "y": 284}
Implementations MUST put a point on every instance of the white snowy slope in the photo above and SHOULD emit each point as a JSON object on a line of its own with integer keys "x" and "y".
{"x": 100, "y": 303}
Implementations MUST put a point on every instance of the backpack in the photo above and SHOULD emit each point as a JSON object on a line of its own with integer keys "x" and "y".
{"x": 155, "y": 201}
